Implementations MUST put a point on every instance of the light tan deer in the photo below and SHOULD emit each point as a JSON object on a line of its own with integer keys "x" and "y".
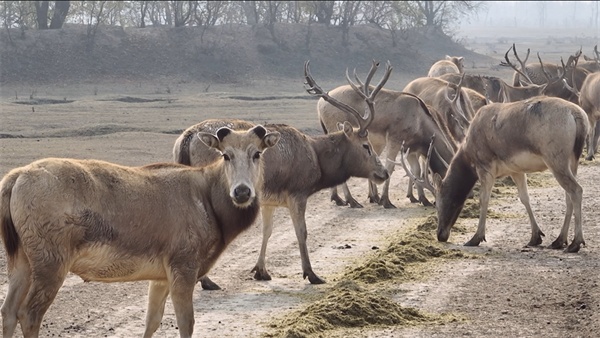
{"x": 513, "y": 139}
{"x": 104, "y": 222}
{"x": 300, "y": 165}
{"x": 591, "y": 64}
{"x": 400, "y": 117}
{"x": 451, "y": 64}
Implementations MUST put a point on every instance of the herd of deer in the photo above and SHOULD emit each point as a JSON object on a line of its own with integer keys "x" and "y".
{"x": 169, "y": 222}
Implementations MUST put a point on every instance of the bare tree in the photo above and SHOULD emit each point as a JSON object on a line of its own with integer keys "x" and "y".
{"x": 251, "y": 12}
{"x": 323, "y": 11}
{"x": 61, "y": 9}
{"x": 348, "y": 12}
{"x": 182, "y": 11}
{"x": 444, "y": 14}
{"x": 41, "y": 12}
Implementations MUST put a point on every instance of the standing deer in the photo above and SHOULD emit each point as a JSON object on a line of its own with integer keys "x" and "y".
{"x": 104, "y": 222}
{"x": 456, "y": 112}
{"x": 591, "y": 64}
{"x": 497, "y": 89}
{"x": 400, "y": 117}
{"x": 300, "y": 166}
{"x": 550, "y": 74}
{"x": 513, "y": 139}
{"x": 452, "y": 64}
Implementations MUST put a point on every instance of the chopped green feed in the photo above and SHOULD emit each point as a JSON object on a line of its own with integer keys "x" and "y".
{"x": 347, "y": 305}
{"x": 471, "y": 209}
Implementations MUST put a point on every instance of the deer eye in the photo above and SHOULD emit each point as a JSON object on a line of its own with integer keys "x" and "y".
{"x": 366, "y": 146}
{"x": 256, "y": 155}
{"x": 226, "y": 157}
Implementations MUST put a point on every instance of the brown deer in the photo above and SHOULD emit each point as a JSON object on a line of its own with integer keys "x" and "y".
{"x": 498, "y": 89}
{"x": 513, "y": 139}
{"x": 400, "y": 117}
{"x": 452, "y": 64}
{"x": 456, "y": 111}
{"x": 104, "y": 222}
{"x": 549, "y": 74}
{"x": 300, "y": 166}
{"x": 591, "y": 64}
{"x": 589, "y": 100}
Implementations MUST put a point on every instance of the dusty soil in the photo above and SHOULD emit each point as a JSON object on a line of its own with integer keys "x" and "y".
{"x": 499, "y": 289}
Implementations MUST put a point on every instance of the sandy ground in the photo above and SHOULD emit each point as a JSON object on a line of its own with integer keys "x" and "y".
{"x": 512, "y": 292}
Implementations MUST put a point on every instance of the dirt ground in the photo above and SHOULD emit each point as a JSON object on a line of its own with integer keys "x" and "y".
{"x": 506, "y": 291}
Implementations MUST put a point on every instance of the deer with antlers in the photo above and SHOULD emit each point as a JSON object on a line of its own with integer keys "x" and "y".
{"x": 513, "y": 139}
{"x": 497, "y": 89}
{"x": 589, "y": 100}
{"x": 400, "y": 117}
{"x": 546, "y": 73}
{"x": 300, "y": 165}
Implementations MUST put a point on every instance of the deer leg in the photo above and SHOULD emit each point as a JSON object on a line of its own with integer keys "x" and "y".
{"x": 182, "y": 280}
{"x": 336, "y": 198}
{"x": 349, "y": 199}
{"x": 573, "y": 196}
{"x": 487, "y": 182}
{"x": 593, "y": 140}
{"x": 385, "y": 191}
{"x": 373, "y": 193}
{"x": 47, "y": 278}
{"x": 18, "y": 285}
{"x": 378, "y": 145}
{"x": 420, "y": 191}
{"x": 157, "y": 296}
{"x": 297, "y": 208}
{"x": 260, "y": 267}
{"x": 520, "y": 180}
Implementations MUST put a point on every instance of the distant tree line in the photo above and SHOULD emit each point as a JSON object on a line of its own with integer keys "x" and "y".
{"x": 392, "y": 15}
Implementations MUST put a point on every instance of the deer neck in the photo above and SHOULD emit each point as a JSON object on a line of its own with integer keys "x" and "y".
{"x": 332, "y": 155}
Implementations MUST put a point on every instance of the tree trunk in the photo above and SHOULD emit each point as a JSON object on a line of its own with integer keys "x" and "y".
{"x": 61, "y": 8}
{"x": 41, "y": 12}
{"x": 250, "y": 11}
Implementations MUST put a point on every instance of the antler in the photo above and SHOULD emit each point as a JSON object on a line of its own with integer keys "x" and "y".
{"x": 364, "y": 121}
{"x": 597, "y": 57}
{"x": 572, "y": 59}
{"x": 454, "y": 102}
{"x": 424, "y": 183}
{"x": 522, "y": 71}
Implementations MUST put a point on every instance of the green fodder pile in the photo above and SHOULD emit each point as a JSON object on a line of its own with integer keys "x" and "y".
{"x": 403, "y": 250}
{"x": 347, "y": 305}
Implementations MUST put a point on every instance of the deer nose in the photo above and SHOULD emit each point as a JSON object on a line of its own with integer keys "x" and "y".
{"x": 242, "y": 194}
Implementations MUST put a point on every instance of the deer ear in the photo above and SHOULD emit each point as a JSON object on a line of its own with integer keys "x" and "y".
{"x": 461, "y": 58}
{"x": 222, "y": 132}
{"x": 260, "y": 131}
{"x": 209, "y": 139}
{"x": 448, "y": 57}
{"x": 348, "y": 129}
{"x": 270, "y": 139}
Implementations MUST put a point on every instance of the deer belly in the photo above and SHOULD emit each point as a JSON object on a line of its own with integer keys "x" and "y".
{"x": 106, "y": 264}
{"x": 526, "y": 162}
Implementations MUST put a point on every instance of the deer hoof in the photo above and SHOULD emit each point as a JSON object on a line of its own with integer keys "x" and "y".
{"x": 558, "y": 244}
{"x": 207, "y": 284}
{"x": 374, "y": 199}
{"x": 536, "y": 239}
{"x": 312, "y": 278}
{"x": 261, "y": 273}
{"x": 574, "y": 247}
{"x": 589, "y": 158}
{"x": 426, "y": 203}
{"x": 474, "y": 241}
{"x": 354, "y": 204}
{"x": 385, "y": 202}
{"x": 338, "y": 201}
{"x": 413, "y": 199}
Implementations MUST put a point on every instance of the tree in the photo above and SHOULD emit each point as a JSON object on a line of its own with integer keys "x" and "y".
{"x": 61, "y": 9}
{"x": 445, "y": 14}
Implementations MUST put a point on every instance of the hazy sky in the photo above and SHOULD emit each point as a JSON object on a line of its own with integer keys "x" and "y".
{"x": 550, "y": 14}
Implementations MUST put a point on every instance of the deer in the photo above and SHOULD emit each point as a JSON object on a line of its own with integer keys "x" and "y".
{"x": 451, "y": 64}
{"x": 497, "y": 89}
{"x": 547, "y": 73}
{"x": 400, "y": 117}
{"x": 591, "y": 64}
{"x": 163, "y": 222}
{"x": 301, "y": 165}
{"x": 513, "y": 139}
{"x": 589, "y": 100}
{"x": 456, "y": 112}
